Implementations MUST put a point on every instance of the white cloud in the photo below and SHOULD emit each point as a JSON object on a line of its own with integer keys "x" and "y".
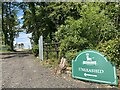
{"x": 29, "y": 35}
{"x": 20, "y": 17}
{"x": 21, "y": 25}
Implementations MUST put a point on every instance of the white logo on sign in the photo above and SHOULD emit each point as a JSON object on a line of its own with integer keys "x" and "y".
{"x": 89, "y": 60}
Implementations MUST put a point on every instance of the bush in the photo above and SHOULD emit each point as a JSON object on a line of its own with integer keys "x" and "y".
{"x": 111, "y": 49}
{"x": 5, "y": 48}
{"x": 70, "y": 55}
{"x": 51, "y": 63}
{"x": 35, "y": 50}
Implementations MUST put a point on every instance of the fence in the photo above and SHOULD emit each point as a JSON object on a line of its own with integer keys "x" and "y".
{"x": 51, "y": 47}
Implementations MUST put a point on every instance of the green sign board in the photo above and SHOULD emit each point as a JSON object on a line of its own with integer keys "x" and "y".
{"x": 93, "y": 66}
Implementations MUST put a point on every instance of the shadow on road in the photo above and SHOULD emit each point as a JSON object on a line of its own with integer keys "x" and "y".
{"x": 11, "y": 56}
{"x": 6, "y": 57}
{"x": 14, "y": 54}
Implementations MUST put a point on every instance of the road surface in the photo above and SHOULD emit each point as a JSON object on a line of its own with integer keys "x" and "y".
{"x": 22, "y": 71}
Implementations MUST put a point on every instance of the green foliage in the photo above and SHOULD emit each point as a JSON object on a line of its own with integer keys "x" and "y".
{"x": 4, "y": 48}
{"x": 92, "y": 28}
{"x": 53, "y": 62}
{"x": 70, "y": 55}
{"x": 87, "y": 31}
{"x": 35, "y": 50}
{"x": 8, "y": 47}
{"x": 77, "y": 26}
{"x": 9, "y": 23}
{"x": 111, "y": 49}
{"x": 43, "y": 18}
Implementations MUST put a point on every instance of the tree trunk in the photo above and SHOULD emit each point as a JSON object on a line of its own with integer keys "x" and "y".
{"x": 11, "y": 43}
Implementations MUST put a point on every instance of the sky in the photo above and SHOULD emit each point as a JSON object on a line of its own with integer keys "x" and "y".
{"x": 19, "y": 0}
{"x": 23, "y": 37}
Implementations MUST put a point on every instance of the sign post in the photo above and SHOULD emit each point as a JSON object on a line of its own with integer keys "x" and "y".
{"x": 41, "y": 47}
{"x": 93, "y": 66}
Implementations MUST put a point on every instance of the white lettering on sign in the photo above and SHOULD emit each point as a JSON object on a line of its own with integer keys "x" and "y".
{"x": 89, "y": 63}
{"x": 91, "y": 70}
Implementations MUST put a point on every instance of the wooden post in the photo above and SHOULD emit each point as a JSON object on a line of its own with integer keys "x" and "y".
{"x": 41, "y": 47}
{"x": 56, "y": 49}
{"x": 47, "y": 51}
{"x": 61, "y": 66}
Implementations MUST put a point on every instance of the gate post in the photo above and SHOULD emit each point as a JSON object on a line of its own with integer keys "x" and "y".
{"x": 41, "y": 47}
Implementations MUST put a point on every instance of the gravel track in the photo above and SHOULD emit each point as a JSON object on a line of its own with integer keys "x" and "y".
{"x": 22, "y": 71}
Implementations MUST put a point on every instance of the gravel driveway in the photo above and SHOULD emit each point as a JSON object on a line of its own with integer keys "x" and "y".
{"x": 22, "y": 71}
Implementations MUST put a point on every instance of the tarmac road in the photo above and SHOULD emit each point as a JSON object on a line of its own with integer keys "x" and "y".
{"x": 22, "y": 71}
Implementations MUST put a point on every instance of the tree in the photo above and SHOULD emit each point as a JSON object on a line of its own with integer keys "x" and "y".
{"x": 44, "y": 17}
{"x": 9, "y": 22}
{"x": 77, "y": 26}
{"x": 92, "y": 28}
{"x": 30, "y": 21}
{"x": 1, "y": 35}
